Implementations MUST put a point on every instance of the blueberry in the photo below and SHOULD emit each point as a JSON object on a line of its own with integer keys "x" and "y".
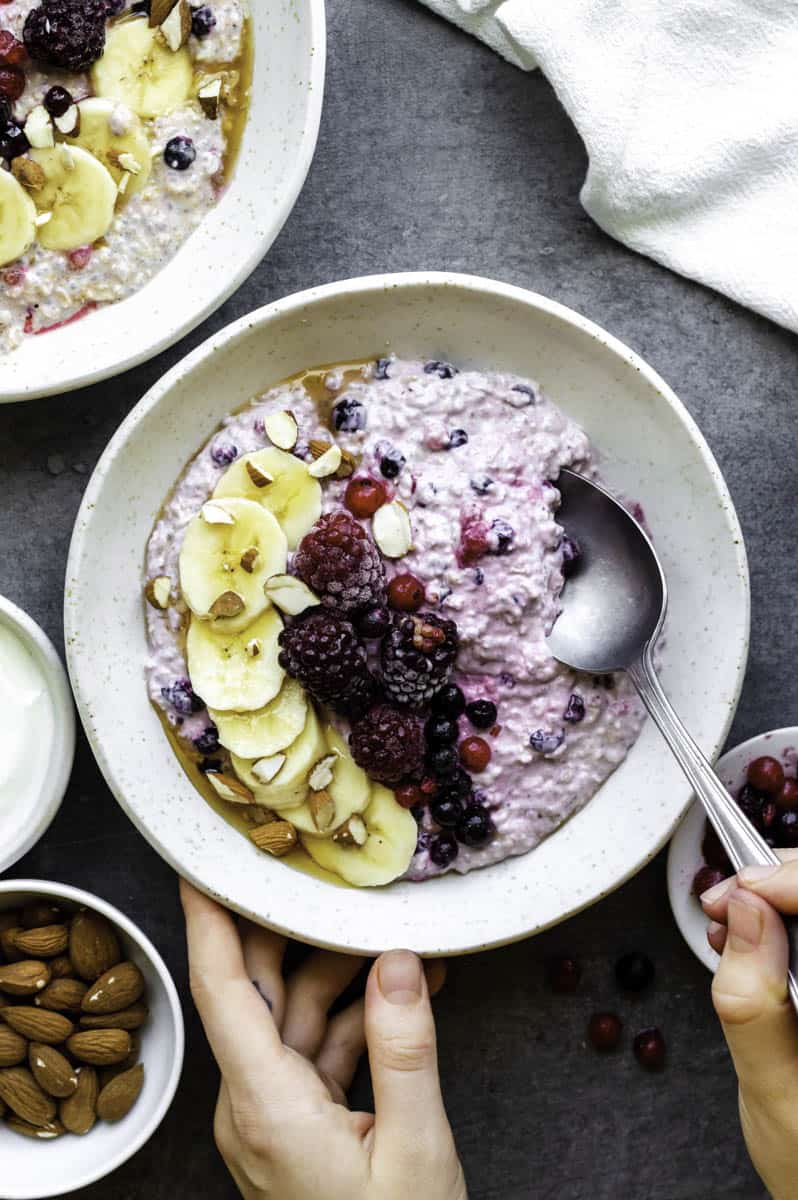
{"x": 182, "y": 697}
{"x": 223, "y": 453}
{"x": 476, "y": 828}
{"x": 57, "y": 100}
{"x": 479, "y": 576}
{"x": 457, "y": 437}
{"x": 481, "y": 484}
{"x": 443, "y": 370}
{"x": 523, "y": 389}
{"x": 208, "y": 741}
{"x": 501, "y": 537}
{"x": 373, "y": 623}
{"x": 786, "y": 829}
{"x": 570, "y": 554}
{"x": 546, "y": 742}
{"x": 180, "y": 153}
{"x": 443, "y": 849}
{"x": 575, "y": 712}
{"x": 13, "y": 141}
{"x": 440, "y": 731}
{"x": 482, "y": 713}
{"x": 203, "y": 21}
{"x": 634, "y": 971}
{"x": 381, "y": 368}
{"x": 392, "y": 462}
{"x": 443, "y": 761}
{"x": 457, "y": 786}
{"x": 349, "y": 415}
{"x": 446, "y": 812}
{"x": 449, "y": 701}
{"x": 210, "y": 766}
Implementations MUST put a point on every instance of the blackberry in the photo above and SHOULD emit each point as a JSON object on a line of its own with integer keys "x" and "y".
{"x": 417, "y": 657}
{"x": 341, "y": 563}
{"x": 63, "y": 33}
{"x": 388, "y": 744}
{"x": 325, "y": 654}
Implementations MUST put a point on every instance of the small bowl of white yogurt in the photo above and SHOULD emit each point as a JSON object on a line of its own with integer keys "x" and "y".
{"x": 38, "y": 733}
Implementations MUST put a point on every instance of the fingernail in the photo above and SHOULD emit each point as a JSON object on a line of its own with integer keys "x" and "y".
{"x": 715, "y": 927}
{"x": 715, "y": 893}
{"x": 756, "y": 874}
{"x": 399, "y": 977}
{"x": 745, "y": 923}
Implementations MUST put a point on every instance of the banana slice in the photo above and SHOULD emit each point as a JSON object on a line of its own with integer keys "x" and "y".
{"x": 115, "y": 136}
{"x": 269, "y": 730}
{"x": 224, "y": 671}
{"x": 280, "y": 482}
{"x": 390, "y": 844}
{"x": 78, "y": 192}
{"x": 229, "y": 551}
{"x": 17, "y": 219}
{"x": 350, "y": 787}
{"x": 139, "y": 70}
{"x": 289, "y": 788}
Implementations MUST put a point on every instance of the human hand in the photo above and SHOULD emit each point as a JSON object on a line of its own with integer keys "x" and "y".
{"x": 282, "y": 1125}
{"x": 750, "y": 997}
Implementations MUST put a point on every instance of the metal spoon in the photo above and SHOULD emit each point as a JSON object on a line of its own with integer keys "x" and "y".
{"x": 613, "y": 609}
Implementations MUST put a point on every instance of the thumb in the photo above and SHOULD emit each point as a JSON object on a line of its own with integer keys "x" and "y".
{"x": 750, "y": 997}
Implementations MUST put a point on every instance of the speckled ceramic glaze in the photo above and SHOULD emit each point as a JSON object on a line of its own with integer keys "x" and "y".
{"x": 648, "y": 447}
{"x": 276, "y": 151}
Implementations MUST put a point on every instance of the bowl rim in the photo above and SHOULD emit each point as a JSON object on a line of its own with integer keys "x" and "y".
{"x": 62, "y": 751}
{"x": 354, "y": 287}
{"x": 65, "y": 891}
{"x": 294, "y": 183}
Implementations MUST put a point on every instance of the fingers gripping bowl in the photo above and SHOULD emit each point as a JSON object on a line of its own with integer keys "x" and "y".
{"x": 494, "y": 328}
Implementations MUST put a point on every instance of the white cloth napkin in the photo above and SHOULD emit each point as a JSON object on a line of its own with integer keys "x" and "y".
{"x": 689, "y": 112}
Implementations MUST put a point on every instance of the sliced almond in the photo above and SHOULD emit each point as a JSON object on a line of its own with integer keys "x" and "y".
{"x": 128, "y": 162}
{"x": 249, "y": 558}
{"x": 352, "y": 833}
{"x": 210, "y": 96}
{"x": 322, "y": 774}
{"x": 159, "y": 11}
{"x": 69, "y": 122}
{"x": 254, "y": 647}
{"x": 28, "y": 173}
{"x": 281, "y": 429}
{"x": 158, "y": 591}
{"x": 260, "y": 478}
{"x": 322, "y": 810}
{"x": 176, "y": 27}
{"x": 214, "y": 514}
{"x": 229, "y": 788}
{"x": 328, "y": 464}
{"x": 277, "y": 838}
{"x": 290, "y": 594}
{"x": 391, "y": 529}
{"x": 348, "y": 462}
{"x": 229, "y": 604}
{"x": 267, "y": 769}
{"x": 124, "y": 183}
{"x": 39, "y": 128}
{"x": 43, "y": 218}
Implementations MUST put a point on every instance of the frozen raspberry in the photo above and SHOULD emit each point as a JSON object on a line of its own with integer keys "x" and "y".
{"x": 66, "y": 34}
{"x": 12, "y": 51}
{"x": 341, "y": 563}
{"x": 417, "y": 657}
{"x": 388, "y": 744}
{"x": 325, "y": 654}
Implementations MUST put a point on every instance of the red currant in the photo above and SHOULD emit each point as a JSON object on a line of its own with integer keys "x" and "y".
{"x": 406, "y": 593}
{"x": 787, "y": 796}
{"x": 408, "y": 795}
{"x": 12, "y": 82}
{"x": 12, "y": 50}
{"x": 475, "y": 754}
{"x": 364, "y": 496}
{"x": 429, "y": 786}
{"x": 766, "y": 774}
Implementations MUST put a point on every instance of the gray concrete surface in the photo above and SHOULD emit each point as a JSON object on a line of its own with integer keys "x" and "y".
{"x": 434, "y": 153}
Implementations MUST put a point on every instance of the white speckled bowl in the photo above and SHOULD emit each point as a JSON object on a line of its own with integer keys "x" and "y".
{"x": 684, "y": 855}
{"x": 652, "y": 451}
{"x": 276, "y": 152}
{"x": 33, "y": 1170}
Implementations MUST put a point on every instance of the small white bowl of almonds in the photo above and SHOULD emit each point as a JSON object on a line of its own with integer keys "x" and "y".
{"x": 91, "y": 1038}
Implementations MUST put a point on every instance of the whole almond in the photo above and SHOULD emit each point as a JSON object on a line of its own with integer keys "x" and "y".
{"x": 118, "y": 1097}
{"x": 13, "y": 1047}
{"x": 79, "y": 1112}
{"x": 38, "y": 1024}
{"x": 131, "y": 1060}
{"x": 52, "y": 1071}
{"x": 42, "y": 1133}
{"x": 93, "y": 945}
{"x": 40, "y": 913}
{"x": 7, "y": 936}
{"x": 61, "y": 967}
{"x": 129, "y": 1018}
{"x": 116, "y": 989}
{"x": 62, "y": 995}
{"x": 24, "y": 978}
{"x": 46, "y": 941}
{"x": 100, "y": 1047}
{"x": 23, "y": 1096}
{"x": 9, "y": 919}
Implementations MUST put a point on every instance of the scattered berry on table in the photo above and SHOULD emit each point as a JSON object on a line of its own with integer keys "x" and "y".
{"x": 406, "y": 593}
{"x": 409, "y": 795}
{"x": 649, "y": 1049}
{"x": 12, "y": 50}
{"x": 388, "y": 744}
{"x": 182, "y": 698}
{"x": 449, "y": 701}
{"x": 57, "y": 100}
{"x": 446, "y": 811}
{"x": 634, "y": 971}
{"x": 501, "y": 537}
{"x": 706, "y": 878}
{"x": 373, "y": 623}
{"x": 443, "y": 370}
{"x": 443, "y": 849}
{"x": 208, "y": 741}
{"x": 476, "y": 827}
{"x": 457, "y": 437}
{"x": 348, "y": 415}
{"x": 481, "y": 484}
{"x": 575, "y": 711}
{"x": 340, "y": 562}
{"x": 12, "y": 82}
{"x": 179, "y": 153}
{"x": 766, "y": 774}
{"x": 381, "y": 368}
{"x": 546, "y": 741}
{"x": 571, "y": 554}
{"x": 475, "y": 754}
{"x": 787, "y": 796}
{"x": 604, "y": 1031}
{"x": 563, "y": 974}
{"x": 203, "y": 21}
{"x": 713, "y": 852}
{"x": 442, "y": 761}
{"x": 786, "y": 831}
{"x": 440, "y": 731}
{"x": 482, "y": 713}
{"x": 64, "y": 34}
{"x": 223, "y": 453}
{"x": 417, "y": 656}
{"x": 13, "y": 141}
{"x": 325, "y": 654}
{"x": 363, "y": 496}
{"x": 392, "y": 461}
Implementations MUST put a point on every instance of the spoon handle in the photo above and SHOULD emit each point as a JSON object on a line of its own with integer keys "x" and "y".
{"x": 743, "y": 844}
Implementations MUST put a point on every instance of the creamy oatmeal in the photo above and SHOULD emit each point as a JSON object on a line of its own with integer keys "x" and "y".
{"x": 112, "y": 166}
{"x": 375, "y": 683}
